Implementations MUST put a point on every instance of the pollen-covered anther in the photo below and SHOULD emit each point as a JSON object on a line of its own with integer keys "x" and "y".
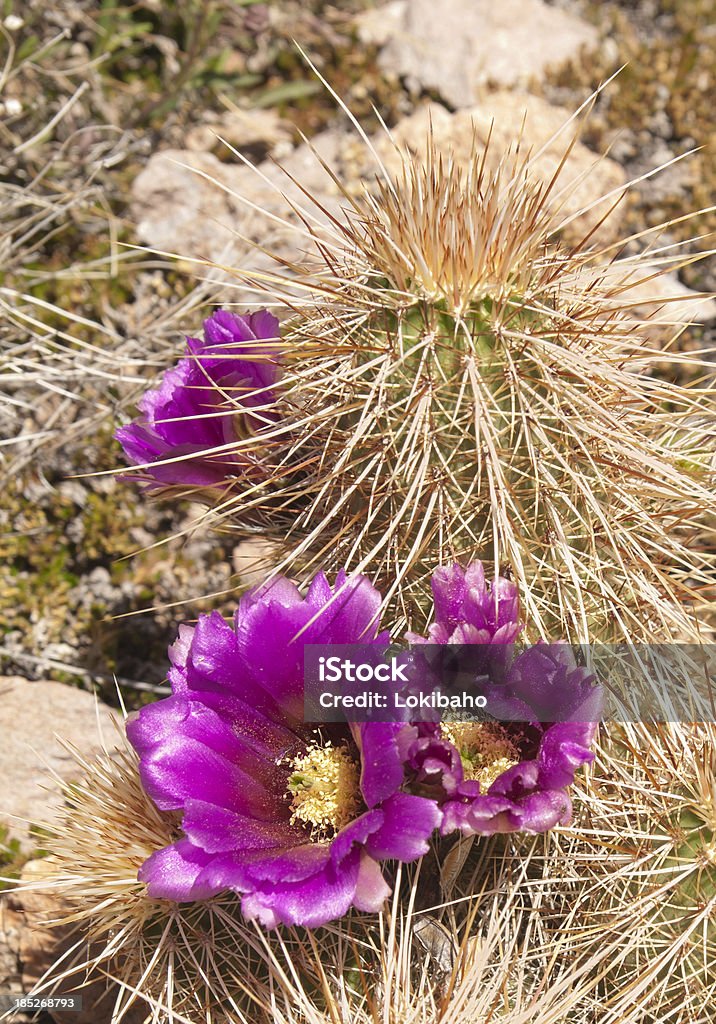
{"x": 324, "y": 786}
{"x": 486, "y": 749}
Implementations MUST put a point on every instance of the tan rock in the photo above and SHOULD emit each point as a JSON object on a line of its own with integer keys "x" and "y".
{"x": 32, "y": 717}
{"x": 184, "y": 205}
{"x": 240, "y": 128}
{"x": 192, "y": 204}
{"x": 10, "y": 966}
{"x": 252, "y": 560}
{"x": 457, "y": 47}
{"x": 377, "y": 25}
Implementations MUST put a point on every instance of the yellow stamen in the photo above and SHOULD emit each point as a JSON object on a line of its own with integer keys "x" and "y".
{"x": 324, "y": 786}
{"x": 486, "y": 749}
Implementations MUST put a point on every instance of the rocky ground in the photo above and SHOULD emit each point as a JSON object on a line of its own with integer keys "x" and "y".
{"x": 99, "y": 108}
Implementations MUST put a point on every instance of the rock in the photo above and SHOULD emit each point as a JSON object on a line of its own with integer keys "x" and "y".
{"x": 10, "y": 967}
{"x": 661, "y": 299}
{"x": 191, "y": 204}
{"x": 459, "y": 46}
{"x": 184, "y": 204}
{"x": 74, "y": 492}
{"x": 241, "y": 129}
{"x": 32, "y": 717}
{"x": 253, "y": 559}
{"x": 504, "y": 117}
{"x": 11, "y": 986}
{"x": 376, "y": 25}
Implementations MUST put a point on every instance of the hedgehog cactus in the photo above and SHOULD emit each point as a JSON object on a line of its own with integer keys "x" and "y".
{"x": 459, "y": 384}
{"x": 642, "y": 864}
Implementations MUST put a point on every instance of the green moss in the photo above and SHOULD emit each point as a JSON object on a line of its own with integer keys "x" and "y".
{"x": 50, "y": 546}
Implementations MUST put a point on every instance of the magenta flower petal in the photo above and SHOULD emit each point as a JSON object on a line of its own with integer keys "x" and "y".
{"x": 383, "y": 747}
{"x": 486, "y": 815}
{"x": 274, "y": 622}
{"x": 371, "y": 890}
{"x": 547, "y": 678}
{"x": 216, "y": 829}
{"x": 185, "y": 767}
{"x": 295, "y": 864}
{"x": 407, "y": 824}
{"x": 217, "y": 672}
{"x": 434, "y": 759}
{"x": 544, "y": 810}
{"x": 325, "y": 894}
{"x": 173, "y": 873}
{"x": 515, "y": 781}
{"x": 312, "y": 885}
{"x": 470, "y": 610}
{"x": 188, "y": 424}
{"x": 564, "y": 749}
{"x": 293, "y": 818}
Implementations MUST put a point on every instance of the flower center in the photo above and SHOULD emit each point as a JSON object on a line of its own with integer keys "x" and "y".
{"x": 486, "y": 749}
{"x": 324, "y": 787}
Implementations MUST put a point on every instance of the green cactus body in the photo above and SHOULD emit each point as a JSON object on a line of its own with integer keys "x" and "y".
{"x": 645, "y": 866}
{"x": 692, "y": 862}
{"x": 443, "y": 436}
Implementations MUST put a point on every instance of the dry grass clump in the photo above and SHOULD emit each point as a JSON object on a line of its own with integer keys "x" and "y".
{"x": 84, "y": 323}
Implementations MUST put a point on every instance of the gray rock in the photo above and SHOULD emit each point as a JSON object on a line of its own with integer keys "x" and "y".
{"x": 659, "y": 298}
{"x": 74, "y": 491}
{"x": 459, "y": 46}
{"x": 32, "y": 717}
{"x": 377, "y": 25}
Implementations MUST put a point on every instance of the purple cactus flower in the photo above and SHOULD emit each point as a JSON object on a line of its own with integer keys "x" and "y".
{"x": 495, "y": 776}
{"x": 191, "y": 426}
{"x": 294, "y": 818}
{"x": 468, "y": 610}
